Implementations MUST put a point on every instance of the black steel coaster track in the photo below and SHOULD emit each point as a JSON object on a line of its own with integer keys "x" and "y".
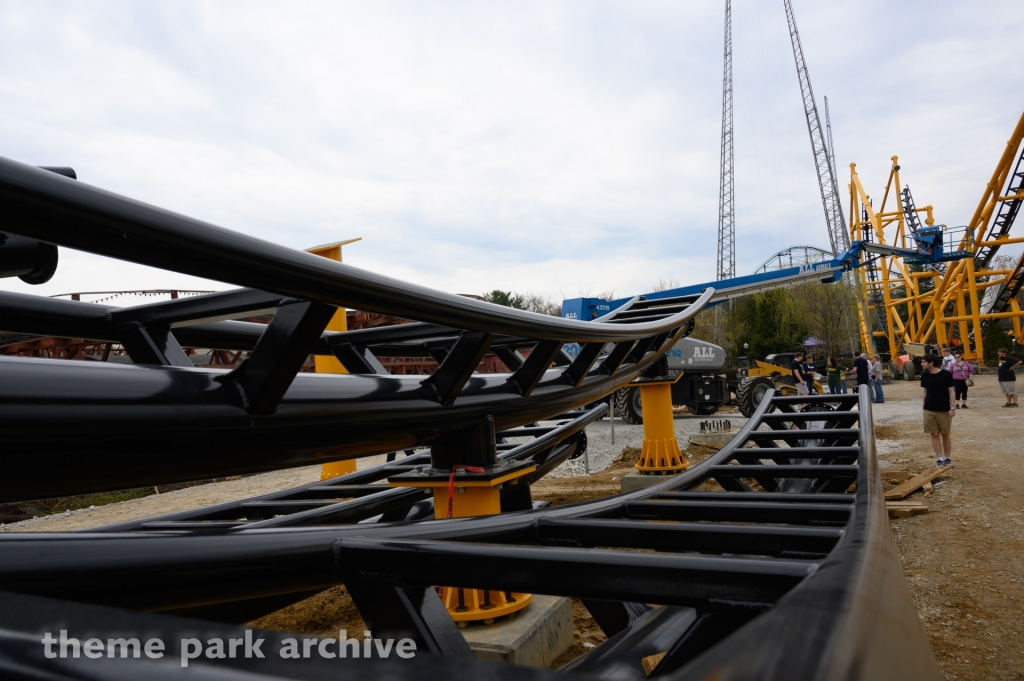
{"x": 754, "y": 581}
{"x": 161, "y": 420}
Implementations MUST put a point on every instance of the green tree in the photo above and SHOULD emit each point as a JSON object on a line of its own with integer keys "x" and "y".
{"x": 524, "y": 301}
{"x": 830, "y": 313}
{"x": 506, "y": 298}
{"x": 768, "y": 322}
{"x": 995, "y": 338}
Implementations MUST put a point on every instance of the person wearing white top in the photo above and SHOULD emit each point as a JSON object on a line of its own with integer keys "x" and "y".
{"x": 947, "y": 360}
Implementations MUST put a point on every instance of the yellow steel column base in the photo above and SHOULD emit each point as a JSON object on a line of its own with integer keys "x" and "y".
{"x": 660, "y": 454}
{"x": 661, "y": 457}
{"x": 337, "y": 468}
{"x": 475, "y": 605}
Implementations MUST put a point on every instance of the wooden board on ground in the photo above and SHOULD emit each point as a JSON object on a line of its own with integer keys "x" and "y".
{"x": 905, "y": 509}
{"x": 893, "y": 477}
{"x": 912, "y": 485}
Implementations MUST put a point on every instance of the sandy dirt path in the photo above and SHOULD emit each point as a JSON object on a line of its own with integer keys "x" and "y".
{"x": 963, "y": 559}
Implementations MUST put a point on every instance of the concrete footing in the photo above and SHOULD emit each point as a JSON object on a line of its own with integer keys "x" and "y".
{"x": 712, "y": 440}
{"x": 534, "y": 637}
{"x": 635, "y": 481}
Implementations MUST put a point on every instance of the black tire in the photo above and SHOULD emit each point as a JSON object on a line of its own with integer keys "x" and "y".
{"x": 703, "y": 408}
{"x": 909, "y": 372}
{"x": 750, "y": 393}
{"x": 628, "y": 407}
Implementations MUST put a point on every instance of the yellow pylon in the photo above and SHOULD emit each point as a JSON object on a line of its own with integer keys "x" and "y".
{"x": 660, "y": 453}
{"x": 466, "y": 498}
{"x": 325, "y": 364}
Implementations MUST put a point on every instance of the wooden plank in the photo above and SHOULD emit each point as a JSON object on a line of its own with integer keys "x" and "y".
{"x": 912, "y": 485}
{"x": 651, "y": 661}
{"x": 905, "y": 509}
{"x": 895, "y": 476}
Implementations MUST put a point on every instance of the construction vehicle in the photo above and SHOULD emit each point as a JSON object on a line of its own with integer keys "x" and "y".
{"x": 702, "y": 388}
{"x": 756, "y": 379}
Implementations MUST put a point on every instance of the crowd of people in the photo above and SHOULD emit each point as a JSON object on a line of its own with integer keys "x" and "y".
{"x": 864, "y": 372}
{"x": 945, "y": 382}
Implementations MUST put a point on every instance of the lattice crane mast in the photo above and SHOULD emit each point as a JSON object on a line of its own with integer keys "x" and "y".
{"x": 726, "y": 189}
{"x": 837, "y": 234}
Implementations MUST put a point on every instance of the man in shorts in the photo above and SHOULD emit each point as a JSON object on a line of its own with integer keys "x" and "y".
{"x": 802, "y": 384}
{"x": 1007, "y": 377}
{"x": 938, "y": 407}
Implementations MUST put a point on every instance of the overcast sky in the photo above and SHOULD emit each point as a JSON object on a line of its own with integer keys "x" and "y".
{"x": 556, "y": 147}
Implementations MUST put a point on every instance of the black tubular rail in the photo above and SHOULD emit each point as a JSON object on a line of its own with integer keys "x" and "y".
{"x": 161, "y": 420}
{"x": 753, "y": 570}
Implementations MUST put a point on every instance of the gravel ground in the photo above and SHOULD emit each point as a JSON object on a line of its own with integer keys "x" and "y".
{"x": 601, "y": 452}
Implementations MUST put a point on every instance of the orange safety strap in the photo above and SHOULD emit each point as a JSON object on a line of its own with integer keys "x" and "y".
{"x": 451, "y": 482}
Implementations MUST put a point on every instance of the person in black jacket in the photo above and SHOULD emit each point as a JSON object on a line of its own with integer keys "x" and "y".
{"x": 863, "y": 369}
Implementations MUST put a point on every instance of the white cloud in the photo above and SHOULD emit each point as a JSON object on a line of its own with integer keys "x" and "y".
{"x": 548, "y": 147}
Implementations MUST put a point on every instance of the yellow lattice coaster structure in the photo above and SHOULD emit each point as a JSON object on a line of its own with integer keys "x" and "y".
{"x": 475, "y": 605}
{"x": 660, "y": 454}
{"x": 471, "y": 494}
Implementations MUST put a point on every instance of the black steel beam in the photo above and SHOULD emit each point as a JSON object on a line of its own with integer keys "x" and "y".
{"x": 458, "y": 365}
{"x": 208, "y": 307}
{"x": 152, "y": 345}
{"x": 783, "y": 497}
{"x": 526, "y": 377}
{"x": 264, "y": 377}
{"x": 358, "y": 359}
{"x": 623, "y": 575}
{"x": 740, "y": 512}
{"x": 689, "y": 536}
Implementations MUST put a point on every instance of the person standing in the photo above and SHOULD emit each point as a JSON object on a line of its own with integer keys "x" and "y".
{"x": 863, "y": 369}
{"x": 938, "y": 407}
{"x": 962, "y": 372}
{"x": 947, "y": 360}
{"x": 798, "y": 374}
{"x": 835, "y": 376}
{"x": 878, "y": 397}
{"x": 809, "y": 372}
{"x": 1007, "y": 377}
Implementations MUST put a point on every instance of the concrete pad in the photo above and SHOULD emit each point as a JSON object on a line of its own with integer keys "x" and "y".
{"x": 534, "y": 637}
{"x": 635, "y": 481}
{"x": 712, "y": 440}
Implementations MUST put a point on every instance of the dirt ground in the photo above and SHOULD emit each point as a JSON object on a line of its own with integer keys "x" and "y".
{"x": 962, "y": 559}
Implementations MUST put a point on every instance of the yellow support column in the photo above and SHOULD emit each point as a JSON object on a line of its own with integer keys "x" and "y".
{"x": 660, "y": 453}
{"x": 1015, "y": 308}
{"x": 331, "y": 365}
{"x": 467, "y": 494}
{"x": 972, "y": 289}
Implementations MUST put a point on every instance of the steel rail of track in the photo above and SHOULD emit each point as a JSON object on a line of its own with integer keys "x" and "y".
{"x": 161, "y": 420}
{"x": 49, "y": 207}
{"x": 805, "y": 586}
